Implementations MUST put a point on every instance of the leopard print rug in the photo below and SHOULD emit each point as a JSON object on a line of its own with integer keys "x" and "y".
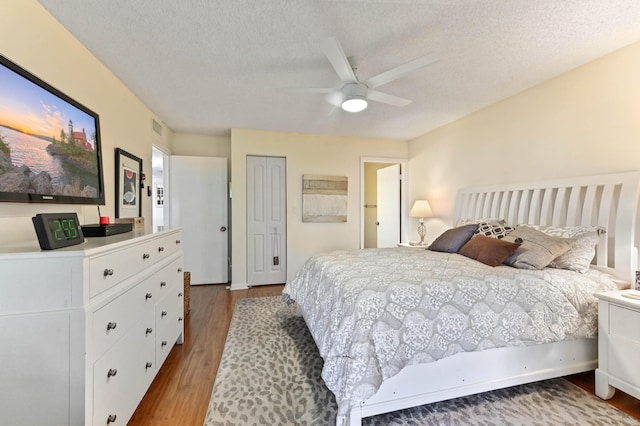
{"x": 270, "y": 375}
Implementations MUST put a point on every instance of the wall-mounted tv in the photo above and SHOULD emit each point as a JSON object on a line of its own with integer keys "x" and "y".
{"x": 49, "y": 144}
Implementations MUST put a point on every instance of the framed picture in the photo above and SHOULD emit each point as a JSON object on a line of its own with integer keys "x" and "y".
{"x": 128, "y": 187}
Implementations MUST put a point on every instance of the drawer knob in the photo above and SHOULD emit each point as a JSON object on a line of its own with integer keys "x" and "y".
{"x": 164, "y": 343}
{"x": 148, "y": 365}
{"x": 108, "y": 272}
{"x": 149, "y": 331}
{"x": 111, "y": 419}
{"x": 111, "y": 326}
{"x": 163, "y": 283}
{"x": 160, "y": 249}
{"x": 164, "y": 313}
{"x": 178, "y": 241}
{"x": 180, "y": 294}
{"x": 112, "y": 372}
{"x": 145, "y": 256}
{"x": 179, "y": 319}
{"x": 179, "y": 269}
{"x": 148, "y": 296}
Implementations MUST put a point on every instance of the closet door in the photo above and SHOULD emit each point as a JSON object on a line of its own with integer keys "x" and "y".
{"x": 266, "y": 220}
{"x": 199, "y": 203}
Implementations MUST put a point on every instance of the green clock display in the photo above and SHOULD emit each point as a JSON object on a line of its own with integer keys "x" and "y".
{"x": 56, "y": 230}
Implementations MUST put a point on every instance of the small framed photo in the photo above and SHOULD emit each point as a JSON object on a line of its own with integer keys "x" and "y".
{"x": 128, "y": 184}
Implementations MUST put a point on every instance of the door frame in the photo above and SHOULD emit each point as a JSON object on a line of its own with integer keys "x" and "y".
{"x": 404, "y": 187}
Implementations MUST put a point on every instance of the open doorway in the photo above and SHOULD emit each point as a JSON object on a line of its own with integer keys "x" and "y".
{"x": 383, "y": 202}
{"x": 159, "y": 188}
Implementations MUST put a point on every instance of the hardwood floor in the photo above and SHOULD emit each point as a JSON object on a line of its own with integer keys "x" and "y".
{"x": 180, "y": 393}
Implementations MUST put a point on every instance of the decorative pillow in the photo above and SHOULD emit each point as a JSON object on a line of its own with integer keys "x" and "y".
{"x": 537, "y": 249}
{"x": 488, "y": 250}
{"x": 451, "y": 240}
{"x": 581, "y": 252}
{"x": 567, "y": 231}
{"x": 471, "y": 221}
{"x": 493, "y": 230}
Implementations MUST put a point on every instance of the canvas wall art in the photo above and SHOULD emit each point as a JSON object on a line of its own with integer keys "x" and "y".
{"x": 324, "y": 198}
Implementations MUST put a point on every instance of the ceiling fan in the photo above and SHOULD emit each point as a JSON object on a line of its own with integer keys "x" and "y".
{"x": 356, "y": 93}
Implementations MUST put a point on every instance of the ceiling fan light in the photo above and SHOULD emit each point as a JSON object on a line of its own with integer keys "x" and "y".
{"x": 354, "y": 103}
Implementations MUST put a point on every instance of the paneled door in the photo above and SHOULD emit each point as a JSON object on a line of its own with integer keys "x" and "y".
{"x": 388, "y": 194}
{"x": 266, "y": 220}
{"x": 199, "y": 204}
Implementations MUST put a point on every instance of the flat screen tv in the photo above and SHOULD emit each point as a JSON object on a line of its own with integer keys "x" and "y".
{"x": 49, "y": 144}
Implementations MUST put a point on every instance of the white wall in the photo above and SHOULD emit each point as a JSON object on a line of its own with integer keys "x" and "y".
{"x": 305, "y": 154}
{"x": 32, "y": 38}
{"x": 586, "y": 121}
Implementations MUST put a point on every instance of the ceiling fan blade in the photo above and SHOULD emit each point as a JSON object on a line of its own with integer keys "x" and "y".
{"x": 311, "y": 90}
{"x": 401, "y": 71}
{"x": 374, "y": 95}
{"x": 332, "y": 48}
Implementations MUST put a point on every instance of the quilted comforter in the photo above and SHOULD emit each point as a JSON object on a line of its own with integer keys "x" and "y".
{"x": 372, "y": 312}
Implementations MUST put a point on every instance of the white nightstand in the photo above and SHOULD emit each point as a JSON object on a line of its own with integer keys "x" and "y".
{"x": 618, "y": 343}
{"x": 413, "y": 244}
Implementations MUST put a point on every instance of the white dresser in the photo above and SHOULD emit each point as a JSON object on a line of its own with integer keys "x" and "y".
{"x": 618, "y": 343}
{"x": 84, "y": 329}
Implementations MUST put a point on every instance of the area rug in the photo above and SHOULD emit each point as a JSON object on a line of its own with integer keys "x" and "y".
{"x": 270, "y": 375}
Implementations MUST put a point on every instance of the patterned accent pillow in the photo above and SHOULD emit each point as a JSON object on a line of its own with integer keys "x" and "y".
{"x": 537, "y": 249}
{"x": 581, "y": 252}
{"x": 490, "y": 251}
{"x": 493, "y": 230}
{"x": 471, "y": 221}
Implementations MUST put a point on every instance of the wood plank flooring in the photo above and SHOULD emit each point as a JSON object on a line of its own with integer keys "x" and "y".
{"x": 180, "y": 393}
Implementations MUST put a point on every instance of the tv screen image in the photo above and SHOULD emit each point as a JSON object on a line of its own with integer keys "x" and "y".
{"x": 50, "y": 147}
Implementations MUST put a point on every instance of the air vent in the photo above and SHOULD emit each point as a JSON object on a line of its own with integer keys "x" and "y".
{"x": 157, "y": 127}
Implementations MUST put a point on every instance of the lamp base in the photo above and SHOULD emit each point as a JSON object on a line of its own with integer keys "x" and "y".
{"x": 422, "y": 231}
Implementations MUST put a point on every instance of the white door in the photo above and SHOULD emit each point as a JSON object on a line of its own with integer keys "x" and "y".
{"x": 388, "y": 202}
{"x": 266, "y": 220}
{"x": 199, "y": 203}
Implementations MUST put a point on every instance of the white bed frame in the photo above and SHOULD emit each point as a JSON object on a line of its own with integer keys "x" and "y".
{"x": 606, "y": 200}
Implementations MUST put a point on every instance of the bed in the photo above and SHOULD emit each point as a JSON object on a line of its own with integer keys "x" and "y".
{"x": 393, "y": 325}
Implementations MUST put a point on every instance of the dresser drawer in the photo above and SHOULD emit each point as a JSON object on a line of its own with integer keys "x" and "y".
{"x": 166, "y": 246}
{"x": 122, "y": 375}
{"x": 169, "y": 323}
{"x": 111, "y": 269}
{"x": 167, "y": 278}
{"x": 113, "y": 320}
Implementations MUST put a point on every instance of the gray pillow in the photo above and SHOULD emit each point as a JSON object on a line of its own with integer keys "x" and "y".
{"x": 452, "y": 240}
{"x": 537, "y": 249}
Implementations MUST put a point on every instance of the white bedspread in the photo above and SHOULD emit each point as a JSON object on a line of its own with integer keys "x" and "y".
{"x": 374, "y": 311}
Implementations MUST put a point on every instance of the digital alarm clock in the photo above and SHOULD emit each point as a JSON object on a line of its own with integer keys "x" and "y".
{"x": 56, "y": 230}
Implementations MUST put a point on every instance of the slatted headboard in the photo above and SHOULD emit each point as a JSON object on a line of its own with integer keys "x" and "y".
{"x": 609, "y": 201}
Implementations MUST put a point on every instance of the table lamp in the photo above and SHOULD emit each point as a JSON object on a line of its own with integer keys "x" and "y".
{"x": 421, "y": 209}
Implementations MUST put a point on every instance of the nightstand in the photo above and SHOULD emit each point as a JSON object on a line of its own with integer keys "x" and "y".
{"x": 618, "y": 343}
{"x": 413, "y": 244}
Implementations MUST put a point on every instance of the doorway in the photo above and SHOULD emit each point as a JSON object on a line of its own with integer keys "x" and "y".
{"x": 383, "y": 201}
{"x": 159, "y": 189}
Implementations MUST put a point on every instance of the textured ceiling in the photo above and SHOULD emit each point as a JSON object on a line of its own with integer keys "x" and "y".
{"x": 205, "y": 66}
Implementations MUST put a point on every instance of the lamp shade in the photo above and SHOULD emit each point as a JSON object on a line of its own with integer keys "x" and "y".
{"x": 421, "y": 208}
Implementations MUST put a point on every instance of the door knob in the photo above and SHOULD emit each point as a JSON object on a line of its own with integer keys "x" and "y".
{"x": 223, "y": 228}
{"x": 377, "y": 223}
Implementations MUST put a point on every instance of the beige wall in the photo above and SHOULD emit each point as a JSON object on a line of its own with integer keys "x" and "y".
{"x": 32, "y": 38}
{"x": 586, "y": 121}
{"x": 202, "y": 146}
{"x": 305, "y": 154}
